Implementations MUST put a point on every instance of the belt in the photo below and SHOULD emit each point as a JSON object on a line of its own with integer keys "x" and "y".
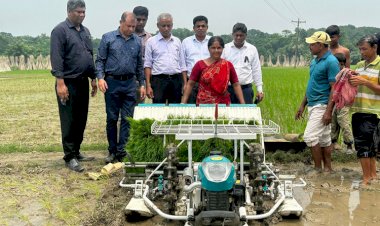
{"x": 80, "y": 77}
{"x": 167, "y": 76}
{"x": 242, "y": 86}
{"x": 121, "y": 77}
{"x": 246, "y": 86}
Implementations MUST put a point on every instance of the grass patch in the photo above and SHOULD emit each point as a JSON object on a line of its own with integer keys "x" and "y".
{"x": 305, "y": 157}
{"x": 284, "y": 89}
{"x": 10, "y": 148}
{"x": 29, "y": 115}
{"x": 55, "y": 194}
{"x": 30, "y": 120}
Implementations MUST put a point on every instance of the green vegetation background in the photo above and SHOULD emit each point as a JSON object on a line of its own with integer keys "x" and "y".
{"x": 277, "y": 44}
{"x": 29, "y": 116}
{"x": 29, "y": 112}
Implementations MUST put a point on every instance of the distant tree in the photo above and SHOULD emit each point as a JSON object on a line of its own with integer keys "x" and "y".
{"x": 286, "y": 33}
{"x": 18, "y": 48}
{"x": 95, "y": 44}
{"x": 277, "y": 44}
{"x": 40, "y": 45}
{"x": 182, "y": 33}
{"x": 226, "y": 38}
{"x": 5, "y": 39}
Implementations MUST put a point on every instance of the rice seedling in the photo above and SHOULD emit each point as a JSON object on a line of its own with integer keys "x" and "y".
{"x": 284, "y": 89}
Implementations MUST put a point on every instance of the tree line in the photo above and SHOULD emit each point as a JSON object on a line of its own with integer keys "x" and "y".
{"x": 277, "y": 44}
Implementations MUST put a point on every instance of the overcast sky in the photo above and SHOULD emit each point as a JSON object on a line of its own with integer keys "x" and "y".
{"x": 35, "y": 17}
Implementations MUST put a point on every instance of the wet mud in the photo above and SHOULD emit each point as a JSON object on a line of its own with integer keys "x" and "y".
{"x": 327, "y": 199}
{"x": 33, "y": 188}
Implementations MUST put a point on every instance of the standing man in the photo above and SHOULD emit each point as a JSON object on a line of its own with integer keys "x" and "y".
{"x": 334, "y": 32}
{"x": 164, "y": 65}
{"x": 141, "y": 14}
{"x": 195, "y": 48}
{"x": 245, "y": 58}
{"x": 366, "y": 107}
{"x": 72, "y": 64}
{"x": 341, "y": 117}
{"x": 318, "y": 98}
{"x": 118, "y": 64}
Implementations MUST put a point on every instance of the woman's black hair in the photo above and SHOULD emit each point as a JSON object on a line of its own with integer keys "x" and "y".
{"x": 215, "y": 39}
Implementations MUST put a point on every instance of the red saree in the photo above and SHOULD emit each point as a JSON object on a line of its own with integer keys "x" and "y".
{"x": 213, "y": 84}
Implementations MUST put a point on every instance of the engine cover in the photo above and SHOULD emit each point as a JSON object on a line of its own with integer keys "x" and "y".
{"x": 216, "y": 173}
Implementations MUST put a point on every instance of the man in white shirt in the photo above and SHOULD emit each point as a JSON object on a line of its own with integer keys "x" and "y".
{"x": 195, "y": 48}
{"x": 164, "y": 64}
{"x": 245, "y": 58}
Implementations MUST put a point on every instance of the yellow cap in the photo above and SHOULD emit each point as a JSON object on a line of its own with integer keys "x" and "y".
{"x": 319, "y": 36}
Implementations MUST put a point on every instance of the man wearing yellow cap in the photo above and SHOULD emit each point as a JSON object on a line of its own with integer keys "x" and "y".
{"x": 323, "y": 69}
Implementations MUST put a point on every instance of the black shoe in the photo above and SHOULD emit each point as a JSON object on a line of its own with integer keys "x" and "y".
{"x": 83, "y": 158}
{"x": 119, "y": 158}
{"x": 124, "y": 154}
{"x": 110, "y": 158}
{"x": 74, "y": 165}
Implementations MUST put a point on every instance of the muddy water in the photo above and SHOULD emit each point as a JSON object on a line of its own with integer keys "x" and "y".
{"x": 328, "y": 200}
{"x": 336, "y": 201}
{"x": 332, "y": 199}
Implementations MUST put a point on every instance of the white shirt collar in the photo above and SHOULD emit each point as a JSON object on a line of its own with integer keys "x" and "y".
{"x": 244, "y": 45}
{"x": 204, "y": 40}
{"x": 162, "y": 37}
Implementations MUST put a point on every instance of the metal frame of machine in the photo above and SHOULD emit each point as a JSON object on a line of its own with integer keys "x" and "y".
{"x": 255, "y": 182}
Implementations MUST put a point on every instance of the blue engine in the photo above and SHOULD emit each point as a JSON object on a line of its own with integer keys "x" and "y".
{"x": 217, "y": 173}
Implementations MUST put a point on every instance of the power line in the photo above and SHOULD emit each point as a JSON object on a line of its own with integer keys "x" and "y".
{"x": 298, "y": 34}
{"x": 290, "y": 10}
{"x": 275, "y": 10}
{"x": 291, "y": 4}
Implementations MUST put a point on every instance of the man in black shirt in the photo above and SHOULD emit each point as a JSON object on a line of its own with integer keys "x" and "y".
{"x": 72, "y": 64}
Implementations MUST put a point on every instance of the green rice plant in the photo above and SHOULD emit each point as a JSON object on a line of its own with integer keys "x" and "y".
{"x": 280, "y": 156}
{"x": 284, "y": 89}
{"x": 304, "y": 156}
{"x": 142, "y": 145}
{"x": 215, "y": 144}
{"x": 338, "y": 156}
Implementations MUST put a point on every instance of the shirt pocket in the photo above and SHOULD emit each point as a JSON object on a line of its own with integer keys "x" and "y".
{"x": 132, "y": 51}
{"x": 175, "y": 52}
{"x": 116, "y": 48}
{"x": 247, "y": 61}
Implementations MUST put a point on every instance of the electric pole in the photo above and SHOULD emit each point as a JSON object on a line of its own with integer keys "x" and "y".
{"x": 298, "y": 34}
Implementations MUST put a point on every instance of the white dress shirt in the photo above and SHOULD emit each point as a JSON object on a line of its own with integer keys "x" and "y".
{"x": 194, "y": 50}
{"x": 164, "y": 56}
{"x": 246, "y": 62}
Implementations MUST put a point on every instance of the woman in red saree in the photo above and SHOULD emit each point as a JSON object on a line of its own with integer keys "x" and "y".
{"x": 213, "y": 75}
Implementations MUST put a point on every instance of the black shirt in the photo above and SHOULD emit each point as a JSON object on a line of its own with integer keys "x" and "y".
{"x": 71, "y": 52}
